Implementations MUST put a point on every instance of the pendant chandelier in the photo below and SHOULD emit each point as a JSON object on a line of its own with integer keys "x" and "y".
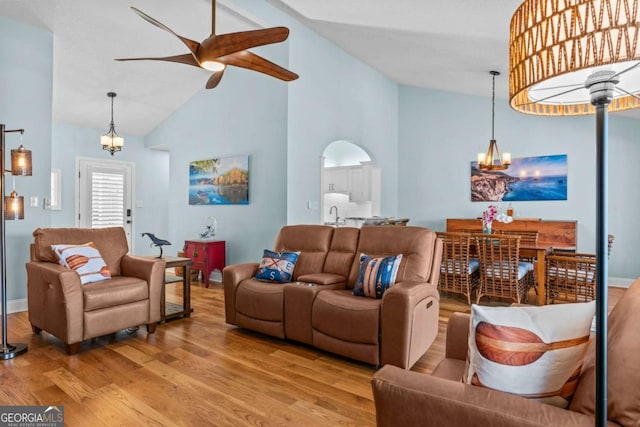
{"x": 491, "y": 160}
{"x": 111, "y": 141}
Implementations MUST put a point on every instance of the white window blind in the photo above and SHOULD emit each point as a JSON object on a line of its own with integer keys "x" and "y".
{"x": 107, "y": 200}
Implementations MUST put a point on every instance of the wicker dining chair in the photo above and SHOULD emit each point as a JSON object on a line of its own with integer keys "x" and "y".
{"x": 527, "y": 237}
{"x": 459, "y": 270}
{"x": 572, "y": 276}
{"x": 502, "y": 274}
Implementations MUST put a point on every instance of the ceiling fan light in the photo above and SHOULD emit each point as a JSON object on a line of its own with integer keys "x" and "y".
{"x": 214, "y": 66}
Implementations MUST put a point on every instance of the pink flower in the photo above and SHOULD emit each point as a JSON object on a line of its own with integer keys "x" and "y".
{"x": 489, "y": 215}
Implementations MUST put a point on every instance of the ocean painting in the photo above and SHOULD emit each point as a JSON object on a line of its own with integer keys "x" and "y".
{"x": 527, "y": 179}
{"x": 222, "y": 181}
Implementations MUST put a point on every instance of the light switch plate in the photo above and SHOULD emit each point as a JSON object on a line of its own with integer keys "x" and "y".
{"x": 33, "y": 201}
{"x": 139, "y": 204}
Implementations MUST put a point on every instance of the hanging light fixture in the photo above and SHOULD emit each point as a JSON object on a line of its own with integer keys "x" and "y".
{"x": 13, "y": 206}
{"x": 571, "y": 58}
{"x": 111, "y": 141}
{"x": 21, "y": 161}
{"x": 491, "y": 160}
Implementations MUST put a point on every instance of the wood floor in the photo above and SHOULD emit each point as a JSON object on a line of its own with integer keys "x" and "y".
{"x": 197, "y": 372}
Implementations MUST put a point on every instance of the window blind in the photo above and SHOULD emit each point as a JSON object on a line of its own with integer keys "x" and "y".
{"x": 107, "y": 200}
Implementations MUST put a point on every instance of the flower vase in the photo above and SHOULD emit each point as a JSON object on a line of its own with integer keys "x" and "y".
{"x": 486, "y": 227}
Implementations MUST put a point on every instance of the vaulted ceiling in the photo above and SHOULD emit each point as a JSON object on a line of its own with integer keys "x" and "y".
{"x": 445, "y": 45}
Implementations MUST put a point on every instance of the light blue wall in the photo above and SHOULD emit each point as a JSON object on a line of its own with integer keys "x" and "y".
{"x": 336, "y": 98}
{"x": 284, "y": 127}
{"x": 26, "y": 64}
{"x": 151, "y": 179}
{"x": 245, "y": 115}
{"x": 440, "y": 134}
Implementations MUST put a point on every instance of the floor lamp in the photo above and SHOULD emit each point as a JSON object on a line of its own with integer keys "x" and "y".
{"x": 576, "y": 57}
{"x": 12, "y": 207}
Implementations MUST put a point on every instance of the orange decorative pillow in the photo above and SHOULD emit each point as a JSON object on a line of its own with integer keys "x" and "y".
{"x": 83, "y": 259}
{"x": 534, "y": 352}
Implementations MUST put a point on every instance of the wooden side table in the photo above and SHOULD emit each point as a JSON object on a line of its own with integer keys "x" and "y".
{"x": 170, "y": 310}
{"x": 207, "y": 255}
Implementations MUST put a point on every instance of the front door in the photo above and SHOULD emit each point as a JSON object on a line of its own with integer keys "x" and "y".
{"x": 105, "y": 197}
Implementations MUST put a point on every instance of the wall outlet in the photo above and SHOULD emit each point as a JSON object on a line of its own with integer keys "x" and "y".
{"x": 33, "y": 201}
{"x": 313, "y": 205}
{"x": 139, "y": 204}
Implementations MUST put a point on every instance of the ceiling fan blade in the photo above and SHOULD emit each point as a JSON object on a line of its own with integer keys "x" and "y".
{"x": 191, "y": 44}
{"x": 224, "y": 44}
{"x": 214, "y": 79}
{"x": 251, "y": 61}
{"x": 186, "y": 58}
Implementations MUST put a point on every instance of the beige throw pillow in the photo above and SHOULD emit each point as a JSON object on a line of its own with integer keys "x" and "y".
{"x": 85, "y": 260}
{"x": 534, "y": 352}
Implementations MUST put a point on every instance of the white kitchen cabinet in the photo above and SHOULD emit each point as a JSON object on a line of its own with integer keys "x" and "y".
{"x": 364, "y": 181}
{"x": 336, "y": 180}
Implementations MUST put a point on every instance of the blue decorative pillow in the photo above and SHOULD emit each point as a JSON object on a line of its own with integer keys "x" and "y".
{"x": 277, "y": 266}
{"x": 376, "y": 275}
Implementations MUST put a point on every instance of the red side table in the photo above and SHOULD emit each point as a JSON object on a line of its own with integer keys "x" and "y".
{"x": 207, "y": 255}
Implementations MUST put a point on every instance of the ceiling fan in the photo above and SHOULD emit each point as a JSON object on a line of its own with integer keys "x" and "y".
{"x": 219, "y": 50}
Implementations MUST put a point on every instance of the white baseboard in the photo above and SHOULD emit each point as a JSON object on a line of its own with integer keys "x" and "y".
{"x": 16, "y": 306}
{"x": 620, "y": 282}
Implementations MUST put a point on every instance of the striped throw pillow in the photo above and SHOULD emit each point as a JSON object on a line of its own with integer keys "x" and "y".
{"x": 376, "y": 275}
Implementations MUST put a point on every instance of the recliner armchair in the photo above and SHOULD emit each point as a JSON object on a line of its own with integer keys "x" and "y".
{"x": 441, "y": 399}
{"x": 59, "y": 304}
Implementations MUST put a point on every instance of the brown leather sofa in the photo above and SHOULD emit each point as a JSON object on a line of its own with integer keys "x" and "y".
{"x": 397, "y": 329}
{"x": 410, "y": 398}
{"x": 72, "y": 312}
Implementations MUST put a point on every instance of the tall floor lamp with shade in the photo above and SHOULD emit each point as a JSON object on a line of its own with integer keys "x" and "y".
{"x": 575, "y": 57}
{"x": 12, "y": 207}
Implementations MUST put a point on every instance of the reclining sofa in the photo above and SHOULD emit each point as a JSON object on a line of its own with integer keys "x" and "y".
{"x": 318, "y": 306}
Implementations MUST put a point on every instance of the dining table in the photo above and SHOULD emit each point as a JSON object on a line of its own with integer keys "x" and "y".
{"x": 539, "y": 252}
{"x": 554, "y": 235}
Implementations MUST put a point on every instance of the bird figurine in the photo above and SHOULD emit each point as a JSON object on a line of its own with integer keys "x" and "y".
{"x": 155, "y": 241}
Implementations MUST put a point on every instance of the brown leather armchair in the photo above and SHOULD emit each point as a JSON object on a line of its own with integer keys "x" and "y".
{"x": 59, "y": 304}
{"x": 441, "y": 399}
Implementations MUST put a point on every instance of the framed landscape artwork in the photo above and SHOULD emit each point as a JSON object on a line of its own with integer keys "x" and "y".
{"x": 221, "y": 181}
{"x": 527, "y": 179}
